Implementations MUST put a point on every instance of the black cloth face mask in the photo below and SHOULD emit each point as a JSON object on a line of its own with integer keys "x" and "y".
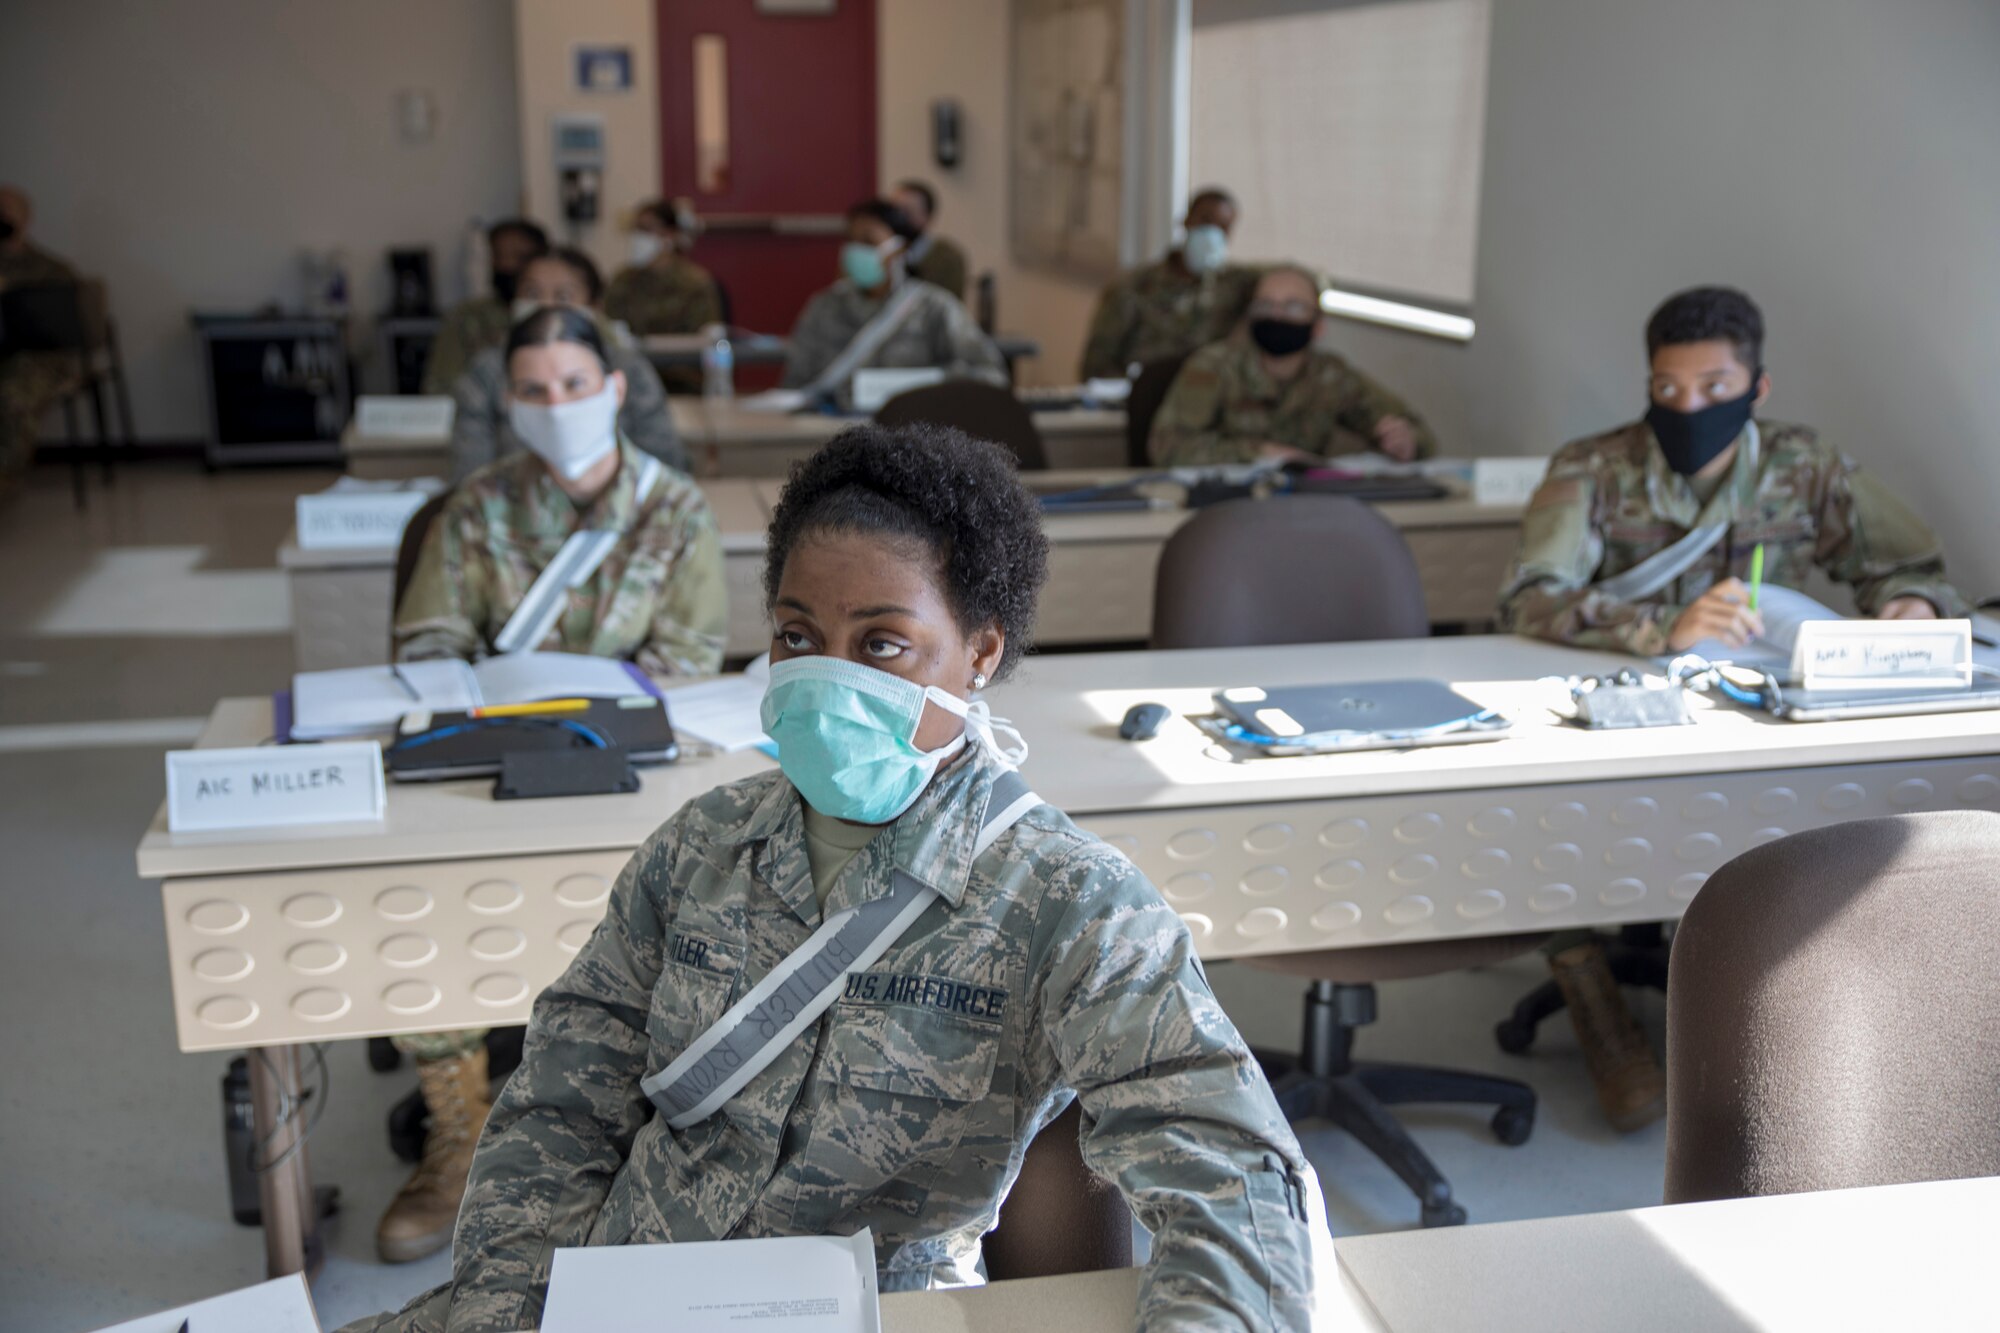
{"x": 505, "y": 285}
{"x": 1691, "y": 440}
{"x": 6, "y": 230}
{"x": 1280, "y": 337}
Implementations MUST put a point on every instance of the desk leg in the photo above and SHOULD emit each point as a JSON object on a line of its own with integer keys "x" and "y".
{"x": 285, "y": 1193}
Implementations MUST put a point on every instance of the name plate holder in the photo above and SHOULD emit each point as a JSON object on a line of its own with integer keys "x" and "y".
{"x": 262, "y": 786}
{"x": 404, "y": 416}
{"x": 1883, "y": 655}
{"x": 348, "y": 519}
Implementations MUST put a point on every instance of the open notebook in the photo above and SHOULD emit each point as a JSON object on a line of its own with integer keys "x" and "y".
{"x": 358, "y": 701}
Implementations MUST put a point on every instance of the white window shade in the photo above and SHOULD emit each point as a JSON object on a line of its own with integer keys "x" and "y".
{"x": 1351, "y": 135}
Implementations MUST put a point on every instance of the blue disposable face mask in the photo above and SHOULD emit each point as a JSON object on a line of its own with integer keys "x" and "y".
{"x": 1206, "y": 248}
{"x": 846, "y": 735}
{"x": 863, "y": 265}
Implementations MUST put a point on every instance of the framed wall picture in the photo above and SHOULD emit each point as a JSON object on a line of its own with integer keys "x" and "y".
{"x": 603, "y": 69}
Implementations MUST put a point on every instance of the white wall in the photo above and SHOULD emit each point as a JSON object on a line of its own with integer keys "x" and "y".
{"x": 188, "y": 151}
{"x": 549, "y": 30}
{"x": 1838, "y": 159}
{"x": 958, "y": 48}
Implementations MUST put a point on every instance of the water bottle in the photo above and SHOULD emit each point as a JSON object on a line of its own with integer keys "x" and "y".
{"x": 718, "y": 365}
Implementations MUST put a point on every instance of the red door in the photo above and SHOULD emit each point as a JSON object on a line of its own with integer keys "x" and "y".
{"x": 774, "y": 154}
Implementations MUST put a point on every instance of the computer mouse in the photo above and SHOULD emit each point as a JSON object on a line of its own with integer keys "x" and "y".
{"x": 1142, "y": 721}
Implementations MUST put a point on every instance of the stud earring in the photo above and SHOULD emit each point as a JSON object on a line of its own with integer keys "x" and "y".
{"x": 979, "y": 680}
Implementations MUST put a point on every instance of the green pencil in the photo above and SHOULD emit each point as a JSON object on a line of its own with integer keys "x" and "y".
{"x": 1756, "y": 574}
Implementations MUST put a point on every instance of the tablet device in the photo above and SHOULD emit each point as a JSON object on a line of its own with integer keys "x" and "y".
{"x": 1364, "y": 715}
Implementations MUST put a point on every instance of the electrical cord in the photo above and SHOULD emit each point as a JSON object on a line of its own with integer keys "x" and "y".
{"x": 288, "y": 1109}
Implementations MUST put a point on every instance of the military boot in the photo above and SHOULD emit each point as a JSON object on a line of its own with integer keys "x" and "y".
{"x": 1630, "y": 1086}
{"x": 421, "y": 1217}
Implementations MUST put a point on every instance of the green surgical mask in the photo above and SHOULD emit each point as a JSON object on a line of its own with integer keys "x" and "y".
{"x": 863, "y": 265}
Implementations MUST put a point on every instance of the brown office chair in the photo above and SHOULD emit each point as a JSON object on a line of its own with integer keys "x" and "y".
{"x": 1323, "y": 569}
{"x": 981, "y": 410}
{"x": 1059, "y": 1217}
{"x": 1834, "y": 1014}
{"x": 1149, "y": 390}
{"x": 411, "y": 545}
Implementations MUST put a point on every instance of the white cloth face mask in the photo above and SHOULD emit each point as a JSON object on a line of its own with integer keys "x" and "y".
{"x": 646, "y": 247}
{"x": 570, "y": 437}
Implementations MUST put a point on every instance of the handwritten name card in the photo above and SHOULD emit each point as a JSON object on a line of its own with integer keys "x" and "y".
{"x": 261, "y": 786}
{"x": 1883, "y": 654}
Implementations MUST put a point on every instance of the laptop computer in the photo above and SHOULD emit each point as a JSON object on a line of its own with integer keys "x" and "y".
{"x": 1363, "y": 715}
{"x": 1796, "y": 705}
{"x": 455, "y": 745}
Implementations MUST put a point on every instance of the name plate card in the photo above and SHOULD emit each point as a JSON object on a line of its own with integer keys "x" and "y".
{"x": 403, "y": 417}
{"x": 1883, "y": 654}
{"x": 354, "y": 518}
{"x": 1506, "y": 481}
{"x": 263, "y": 785}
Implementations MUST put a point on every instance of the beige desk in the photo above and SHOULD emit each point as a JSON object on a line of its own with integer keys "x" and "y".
{"x": 341, "y": 597}
{"x": 725, "y": 440}
{"x": 1102, "y": 566}
{"x": 454, "y": 910}
{"x": 399, "y": 458}
{"x": 1845, "y": 1261}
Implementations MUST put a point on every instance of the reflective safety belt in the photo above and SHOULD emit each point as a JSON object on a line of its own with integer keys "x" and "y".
{"x": 1662, "y": 567}
{"x": 867, "y": 341}
{"x": 575, "y": 562}
{"x": 717, "y": 1064}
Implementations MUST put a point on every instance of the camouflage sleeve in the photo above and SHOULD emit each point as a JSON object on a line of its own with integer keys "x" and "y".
{"x": 620, "y": 301}
{"x": 1367, "y": 403}
{"x": 1187, "y": 430}
{"x": 1175, "y": 1108}
{"x": 643, "y": 417}
{"x": 813, "y": 345}
{"x": 563, "y": 1125}
{"x": 444, "y": 610}
{"x": 691, "y": 620}
{"x": 449, "y": 354}
{"x": 1547, "y": 592}
{"x": 476, "y": 421}
{"x": 1110, "y": 333}
{"x": 1870, "y": 539}
{"x": 964, "y": 350}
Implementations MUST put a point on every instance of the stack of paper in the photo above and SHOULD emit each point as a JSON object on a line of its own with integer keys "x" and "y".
{"x": 363, "y": 701}
{"x": 788, "y": 1284}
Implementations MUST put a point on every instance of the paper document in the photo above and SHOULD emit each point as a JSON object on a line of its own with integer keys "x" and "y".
{"x": 785, "y": 1284}
{"x": 773, "y": 400}
{"x": 361, "y": 701}
{"x": 1784, "y": 610}
{"x": 726, "y": 713}
{"x": 282, "y": 1305}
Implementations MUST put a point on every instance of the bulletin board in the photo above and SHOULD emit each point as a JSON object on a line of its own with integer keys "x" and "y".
{"x": 1067, "y": 134}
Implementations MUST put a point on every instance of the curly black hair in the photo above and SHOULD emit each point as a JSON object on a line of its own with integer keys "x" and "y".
{"x": 941, "y": 490}
{"x": 1709, "y": 314}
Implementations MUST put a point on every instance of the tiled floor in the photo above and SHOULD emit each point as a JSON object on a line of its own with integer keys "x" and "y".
{"x": 111, "y": 1164}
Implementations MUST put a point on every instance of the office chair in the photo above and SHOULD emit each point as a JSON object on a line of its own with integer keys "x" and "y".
{"x": 1149, "y": 390}
{"x": 1233, "y": 575}
{"x": 1834, "y": 1017}
{"x": 411, "y": 545}
{"x": 1637, "y": 955}
{"x": 75, "y": 319}
{"x": 1059, "y": 1217}
{"x": 981, "y": 410}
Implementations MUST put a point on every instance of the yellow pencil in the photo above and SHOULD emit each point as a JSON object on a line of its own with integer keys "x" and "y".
{"x": 531, "y": 710}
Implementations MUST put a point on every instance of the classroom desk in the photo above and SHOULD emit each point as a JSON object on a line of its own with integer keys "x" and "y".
{"x": 1843, "y": 1261}
{"x": 455, "y": 910}
{"x": 680, "y": 351}
{"x": 728, "y": 440}
{"x": 341, "y": 595}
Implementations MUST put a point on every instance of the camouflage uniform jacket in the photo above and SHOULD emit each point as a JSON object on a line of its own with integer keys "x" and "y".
{"x": 32, "y": 266}
{"x": 1610, "y": 502}
{"x": 1224, "y": 404}
{"x": 1049, "y": 967}
{"x": 938, "y": 332}
{"x": 939, "y": 262}
{"x": 679, "y": 298}
{"x": 480, "y": 433}
{"x": 469, "y": 329}
{"x": 1159, "y": 311}
{"x": 657, "y": 599}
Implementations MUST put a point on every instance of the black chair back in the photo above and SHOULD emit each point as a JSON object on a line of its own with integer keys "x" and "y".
{"x": 411, "y": 545}
{"x": 981, "y": 410}
{"x": 1148, "y": 392}
{"x": 1290, "y": 569}
{"x": 1059, "y": 1217}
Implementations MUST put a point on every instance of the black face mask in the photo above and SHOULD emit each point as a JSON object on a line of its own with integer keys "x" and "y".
{"x": 1280, "y": 337}
{"x": 1691, "y": 440}
{"x": 6, "y": 230}
{"x": 505, "y": 285}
